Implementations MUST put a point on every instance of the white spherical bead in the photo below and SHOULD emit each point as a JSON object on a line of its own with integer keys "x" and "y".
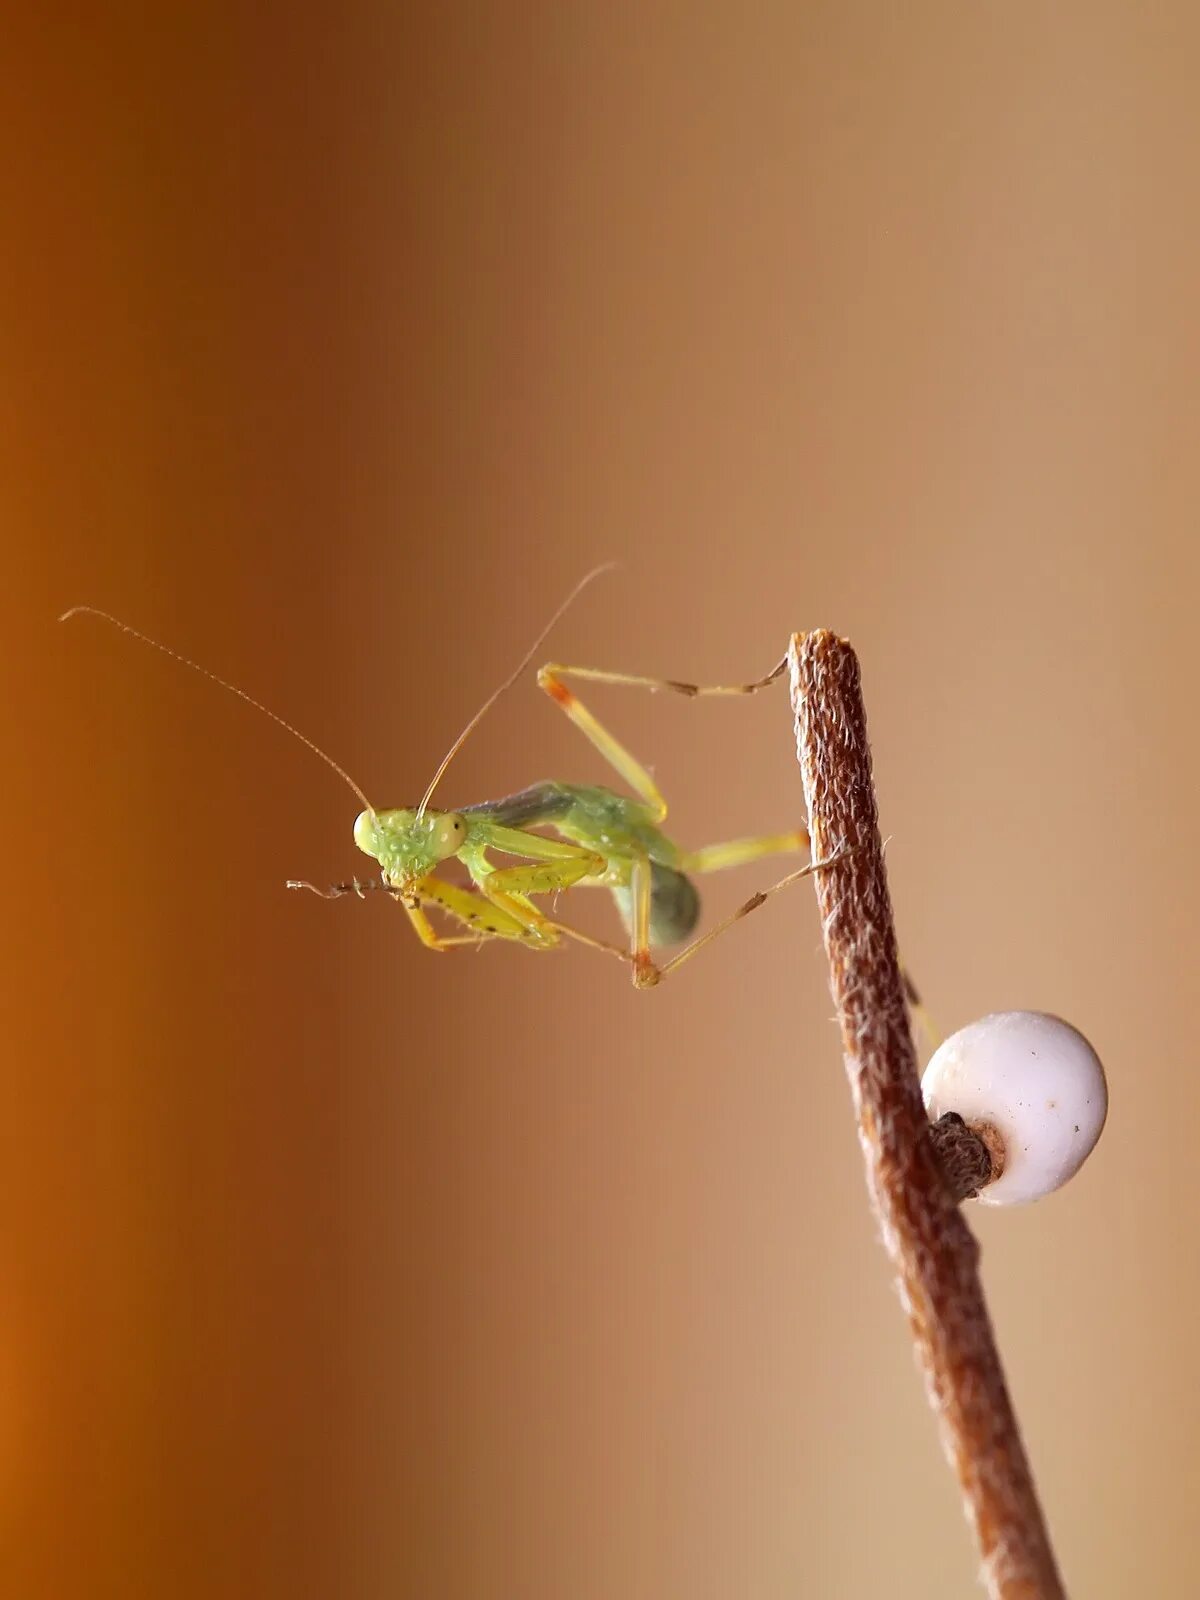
{"x": 1037, "y": 1083}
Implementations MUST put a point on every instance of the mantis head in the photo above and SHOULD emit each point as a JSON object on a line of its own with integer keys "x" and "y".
{"x": 409, "y": 844}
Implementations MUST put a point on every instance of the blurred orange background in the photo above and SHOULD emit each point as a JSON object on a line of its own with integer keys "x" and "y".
{"x": 339, "y": 343}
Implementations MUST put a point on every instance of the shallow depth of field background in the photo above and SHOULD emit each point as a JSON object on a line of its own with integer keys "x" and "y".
{"x": 338, "y": 343}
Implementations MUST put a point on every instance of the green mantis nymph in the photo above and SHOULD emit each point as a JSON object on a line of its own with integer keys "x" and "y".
{"x": 597, "y": 838}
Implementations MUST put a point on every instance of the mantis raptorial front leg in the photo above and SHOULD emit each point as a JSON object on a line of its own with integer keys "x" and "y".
{"x": 500, "y": 914}
{"x": 550, "y": 865}
{"x": 475, "y": 911}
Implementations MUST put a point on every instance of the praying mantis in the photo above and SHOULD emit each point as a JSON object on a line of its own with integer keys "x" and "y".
{"x": 597, "y": 837}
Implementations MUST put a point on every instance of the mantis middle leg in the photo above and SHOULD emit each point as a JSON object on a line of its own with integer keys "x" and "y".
{"x": 614, "y": 752}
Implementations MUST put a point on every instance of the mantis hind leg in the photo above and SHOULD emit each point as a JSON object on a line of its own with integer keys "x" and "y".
{"x": 614, "y": 752}
{"x": 660, "y": 905}
{"x": 653, "y": 899}
{"x": 735, "y": 853}
{"x": 646, "y": 975}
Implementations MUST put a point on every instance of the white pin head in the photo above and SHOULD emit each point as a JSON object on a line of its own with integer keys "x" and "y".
{"x": 1032, "y": 1088}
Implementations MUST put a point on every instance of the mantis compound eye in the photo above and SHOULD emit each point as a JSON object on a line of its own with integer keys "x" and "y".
{"x": 366, "y": 834}
{"x": 447, "y": 834}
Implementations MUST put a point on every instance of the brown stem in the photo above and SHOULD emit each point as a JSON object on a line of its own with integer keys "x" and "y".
{"x": 934, "y": 1252}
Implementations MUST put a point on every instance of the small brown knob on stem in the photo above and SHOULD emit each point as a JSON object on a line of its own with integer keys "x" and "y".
{"x": 963, "y": 1156}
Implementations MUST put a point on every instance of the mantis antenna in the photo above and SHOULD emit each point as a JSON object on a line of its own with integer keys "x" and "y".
{"x": 92, "y": 611}
{"x": 487, "y": 705}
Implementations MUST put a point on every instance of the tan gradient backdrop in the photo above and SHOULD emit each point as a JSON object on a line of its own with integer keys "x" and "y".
{"x": 337, "y": 345}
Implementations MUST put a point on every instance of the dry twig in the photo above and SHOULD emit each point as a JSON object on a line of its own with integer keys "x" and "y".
{"x": 933, "y": 1250}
